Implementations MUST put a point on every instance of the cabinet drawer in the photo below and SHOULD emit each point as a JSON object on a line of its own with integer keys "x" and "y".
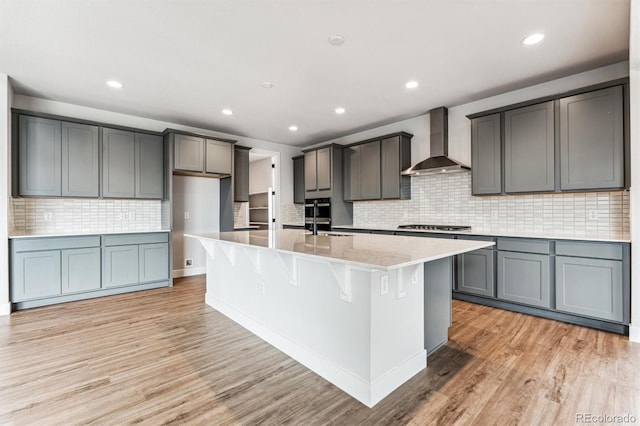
{"x": 524, "y": 245}
{"x": 125, "y": 239}
{"x": 36, "y": 244}
{"x": 590, "y": 249}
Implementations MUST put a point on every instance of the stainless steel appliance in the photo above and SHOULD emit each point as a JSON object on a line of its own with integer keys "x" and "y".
{"x": 422, "y": 227}
{"x": 323, "y": 213}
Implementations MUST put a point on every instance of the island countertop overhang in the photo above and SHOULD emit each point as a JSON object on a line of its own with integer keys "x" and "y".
{"x": 383, "y": 252}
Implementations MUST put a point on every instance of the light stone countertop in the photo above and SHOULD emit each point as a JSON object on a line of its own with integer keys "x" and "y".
{"x": 79, "y": 234}
{"x": 365, "y": 250}
{"x": 611, "y": 237}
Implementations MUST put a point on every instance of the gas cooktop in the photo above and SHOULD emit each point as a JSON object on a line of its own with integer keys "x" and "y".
{"x": 436, "y": 227}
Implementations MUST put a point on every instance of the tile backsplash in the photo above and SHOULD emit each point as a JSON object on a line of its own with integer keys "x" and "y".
{"x": 446, "y": 199}
{"x": 240, "y": 214}
{"x": 292, "y": 214}
{"x": 50, "y": 215}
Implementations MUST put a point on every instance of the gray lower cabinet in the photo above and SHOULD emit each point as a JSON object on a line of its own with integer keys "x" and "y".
{"x": 592, "y": 140}
{"x": 120, "y": 266}
{"x": 188, "y": 153}
{"x": 154, "y": 261}
{"x": 80, "y": 269}
{"x": 475, "y": 272}
{"x": 298, "y": 179}
{"x": 529, "y": 149}
{"x": 486, "y": 158}
{"x": 80, "y": 160}
{"x": 524, "y": 278}
{"x": 35, "y": 275}
{"x": 118, "y": 163}
{"x": 39, "y": 153}
{"x": 219, "y": 157}
{"x": 149, "y": 166}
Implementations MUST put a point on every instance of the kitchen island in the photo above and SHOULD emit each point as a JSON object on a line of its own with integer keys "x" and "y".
{"x": 360, "y": 310}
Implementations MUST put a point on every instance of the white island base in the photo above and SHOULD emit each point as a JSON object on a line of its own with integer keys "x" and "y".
{"x": 360, "y": 327}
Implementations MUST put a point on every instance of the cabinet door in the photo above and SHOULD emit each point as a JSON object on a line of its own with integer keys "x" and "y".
{"x": 475, "y": 273}
{"x": 524, "y": 278}
{"x": 391, "y": 167}
{"x": 154, "y": 262}
{"x": 298, "y": 180}
{"x": 324, "y": 169}
{"x": 529, "y": 149}
{"x": 592, "y": 140}
{"x": 241, "y": 175}
{"x": 80, "y": 160}
{"x": 149, "y": 166}
{"x": 352, "y": 174}
{"x": 118, "y": 163}
{"x": 39, "y": 153}
{"x": 486, "y": 167}
{"x": 35, "y": 275}
{"x": 80, "y": 269}
{"x": 188, "y": 153}
{"x": 591, "y": 287}
{"x": 119, "y": 265}
{"x": 370, "y": 171}
{"x": 219, "y": 157}
{"x": 310, "y": 171}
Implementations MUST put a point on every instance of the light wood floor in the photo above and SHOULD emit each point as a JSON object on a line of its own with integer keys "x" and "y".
{"x": 163, "y": 357}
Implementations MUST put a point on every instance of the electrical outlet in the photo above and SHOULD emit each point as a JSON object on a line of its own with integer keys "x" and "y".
{"x": 414, "y": 278}
{"x": 48, "y": 216}
{"x": 186, "y": 215}
{"x": 384, "y": 285}
{"x": 593, "y": 214}
{"x": 188, "y": 263}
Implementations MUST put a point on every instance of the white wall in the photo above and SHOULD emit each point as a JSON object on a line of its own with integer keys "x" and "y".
{"x": 634, "y": 78}
{"x": 6, "y": 100}
{"x": 199, "y": 197}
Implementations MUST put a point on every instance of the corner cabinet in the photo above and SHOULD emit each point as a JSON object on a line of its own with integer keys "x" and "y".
{"x": 373, "y": 168}
{"x": 475, "y": 270}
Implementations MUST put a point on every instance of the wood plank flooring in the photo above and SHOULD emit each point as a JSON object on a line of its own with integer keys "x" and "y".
{"x": 164, "y": 357}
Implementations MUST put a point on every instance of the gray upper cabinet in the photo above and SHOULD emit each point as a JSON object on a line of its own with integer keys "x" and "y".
{"x": 80, "y": 160}
{"x": 529, "y": 149}
{"x": 370, "y": 171}
{"x": 351, "y": 174}
{"x": 395, "y": 156}
{"x": 219, "y": 157}
{"x": 310, "y": 171}
{"x": 188, "y": 153}
{"x": 40, "y": 167}
{"x": 241, "y": 174}
{"x": 592, "y": 140}
{"x": 118, "y": 163}
{"x": 298, "y": 179}
{"x": 486, "y": 167}
{"x": 149, "y": 167}
{"x": 323, "y": 168}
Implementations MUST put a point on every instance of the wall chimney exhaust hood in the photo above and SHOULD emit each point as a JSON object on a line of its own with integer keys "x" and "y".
{"x": 438, "y": 162}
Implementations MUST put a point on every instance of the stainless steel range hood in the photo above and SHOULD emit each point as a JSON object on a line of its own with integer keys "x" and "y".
{"x": 438, "y": 162}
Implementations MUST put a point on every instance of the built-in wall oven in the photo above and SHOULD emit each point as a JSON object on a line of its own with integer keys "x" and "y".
{"x": 323, "y": 213}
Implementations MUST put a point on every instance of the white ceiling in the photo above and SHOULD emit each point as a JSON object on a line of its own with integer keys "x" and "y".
{"x": 184, "y": 61}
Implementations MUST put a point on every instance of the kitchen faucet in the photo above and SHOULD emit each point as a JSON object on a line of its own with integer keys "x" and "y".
{"x": 314, "y": 228}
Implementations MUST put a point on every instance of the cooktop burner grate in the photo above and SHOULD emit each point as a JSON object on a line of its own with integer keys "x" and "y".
{"x": 436, "y": 227}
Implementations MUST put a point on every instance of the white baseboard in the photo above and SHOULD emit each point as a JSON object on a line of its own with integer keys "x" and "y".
{"x": 178, "y": 273}
{"x": 5, "y": 309}
{"x": 367, "y": 393}
{"x": 634, "y": 333}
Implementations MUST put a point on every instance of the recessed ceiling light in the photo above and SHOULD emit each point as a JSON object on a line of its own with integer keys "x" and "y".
{"x": 114, "y": 84}
{"x": 227, "y": 111}
{"x": 533, "y": 39}
{"x": 293, "y": 128}
{"x": 411, "y": 84}
{"x": 336, "y": 40}
{"x": 267, "y": 84}
{"x": 340, "y": 110}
